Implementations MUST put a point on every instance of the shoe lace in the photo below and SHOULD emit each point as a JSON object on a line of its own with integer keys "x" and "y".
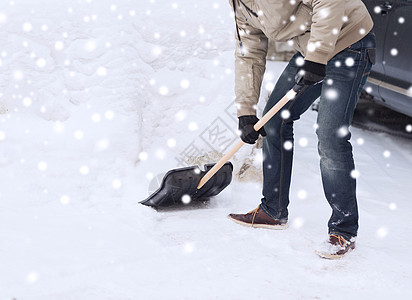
{"x": 254, "y": 212}
{"x": 341, "y": 240}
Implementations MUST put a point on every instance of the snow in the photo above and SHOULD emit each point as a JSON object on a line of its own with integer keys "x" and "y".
{"x": 98, "y": 100}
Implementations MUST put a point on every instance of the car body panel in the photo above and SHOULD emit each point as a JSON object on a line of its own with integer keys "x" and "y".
{"x": 390, "y": 81}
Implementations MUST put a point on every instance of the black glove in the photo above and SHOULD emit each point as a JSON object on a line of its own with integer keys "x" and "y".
{"x": 247, "y": 133}
{"x": 310, "y": 73}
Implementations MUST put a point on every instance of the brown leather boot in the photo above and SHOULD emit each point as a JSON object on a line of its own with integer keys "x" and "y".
{"x": 336, "y": 247}
{"x": 259, "y": 219}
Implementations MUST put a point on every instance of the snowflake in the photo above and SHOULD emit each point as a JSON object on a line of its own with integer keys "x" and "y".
{"x": 163, "y": 90}
{"x": 303, "y": 142}
{"x": 181, "y": 115}
{"x": 78, "y": 134}
{"x": 302, "y": 194}
{"x": 184, "y": 83}
{"x": 91, "y": 45}
{"x": 386, "y": 154}
{"x": 382, "y": 232}
{"x": 27, "y": 27}
{"x": 116, "y": 184}
{"x": 143, "y": 155}
{"x": 269, "y": 86}
{"x": 300, "y": 61}
{"x": 392, "y": 206}
{"x": 285, "y": 114}
{"x": 324, "y": 13}
{"x": 157, "y": 51}
{"x": 186, "y": 199}
{"x": 102, "y": 144}
{"x": 189, "y": 248}
{"x": 96, "y": 117}
{"x": 18, "y": 75}
{"x": 33, "y": 277}
{"x": 377, "y": 9}
{"x": 298, "y": 222}
{"x": 343, "y": 132}
{"x": 349, "y": 62}
{"x": 58, "y": 45}
{"x": 27, "y": 101}
{"x": 64, "y": 199}
{"x": 193, "y": 126}
{"x": 355, "y": 174}
{"x": 394, "y": 51}
{"x": 171, "y": 142}
{"x": 331, "y": 94}
{"x": 84, "y": 170}
{"x": 3, "y": 18}
{"x": 109, "y": 115}
{"x": 58, "y": 127}
{"x": 160, "y": 153}
{"x": 42, "y": 166}
{"x": 288, "y": 145}
{"x": 41, "y": 62}
{"x": 101, "y": 71}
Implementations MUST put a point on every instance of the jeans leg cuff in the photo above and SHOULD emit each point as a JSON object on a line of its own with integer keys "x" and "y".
{"x": 347, "y": 237}
{"x": 269, "y": 214}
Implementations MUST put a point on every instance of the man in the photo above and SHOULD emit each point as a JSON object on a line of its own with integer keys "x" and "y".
{"x": 335, "y": 51}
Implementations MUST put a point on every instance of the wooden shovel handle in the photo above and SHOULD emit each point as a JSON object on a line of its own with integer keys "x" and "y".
{"x": 290, "y": 95}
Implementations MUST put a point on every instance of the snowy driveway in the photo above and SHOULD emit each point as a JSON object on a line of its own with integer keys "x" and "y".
{"x": 96, "y": 99}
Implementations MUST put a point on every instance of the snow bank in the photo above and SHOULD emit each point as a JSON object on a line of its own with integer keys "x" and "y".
{"x": 97, "y": 100}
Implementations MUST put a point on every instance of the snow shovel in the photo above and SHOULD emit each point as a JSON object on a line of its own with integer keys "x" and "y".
{"x": 183, "y": 185}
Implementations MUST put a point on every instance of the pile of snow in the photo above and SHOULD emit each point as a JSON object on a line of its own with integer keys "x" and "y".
{"x": 98, "y": 99}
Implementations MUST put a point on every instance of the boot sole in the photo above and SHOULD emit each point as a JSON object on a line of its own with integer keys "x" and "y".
{"x": 331, "y": 256}
{"x": 266, "y": 226}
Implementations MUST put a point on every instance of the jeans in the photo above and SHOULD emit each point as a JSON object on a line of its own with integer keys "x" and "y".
{"x": 346, "y": 74}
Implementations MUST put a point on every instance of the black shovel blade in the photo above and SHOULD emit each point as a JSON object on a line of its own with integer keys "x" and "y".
{"x": 180, "y": 186}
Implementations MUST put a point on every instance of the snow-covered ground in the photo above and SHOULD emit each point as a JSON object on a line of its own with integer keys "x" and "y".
{"x": 98, "y": 99}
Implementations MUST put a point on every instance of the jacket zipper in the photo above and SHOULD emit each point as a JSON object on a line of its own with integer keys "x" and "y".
{"x": 248, "y": 9}
{"x": 237, "y": 27}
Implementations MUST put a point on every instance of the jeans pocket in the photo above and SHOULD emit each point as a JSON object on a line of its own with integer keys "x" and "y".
{"x": 372, "y": 55}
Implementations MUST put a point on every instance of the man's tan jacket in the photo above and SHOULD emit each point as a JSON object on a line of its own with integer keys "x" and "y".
{"x": 319, "y": 29}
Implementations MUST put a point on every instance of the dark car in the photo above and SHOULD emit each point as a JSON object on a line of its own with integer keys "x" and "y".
{"x": 390, "y": 81}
